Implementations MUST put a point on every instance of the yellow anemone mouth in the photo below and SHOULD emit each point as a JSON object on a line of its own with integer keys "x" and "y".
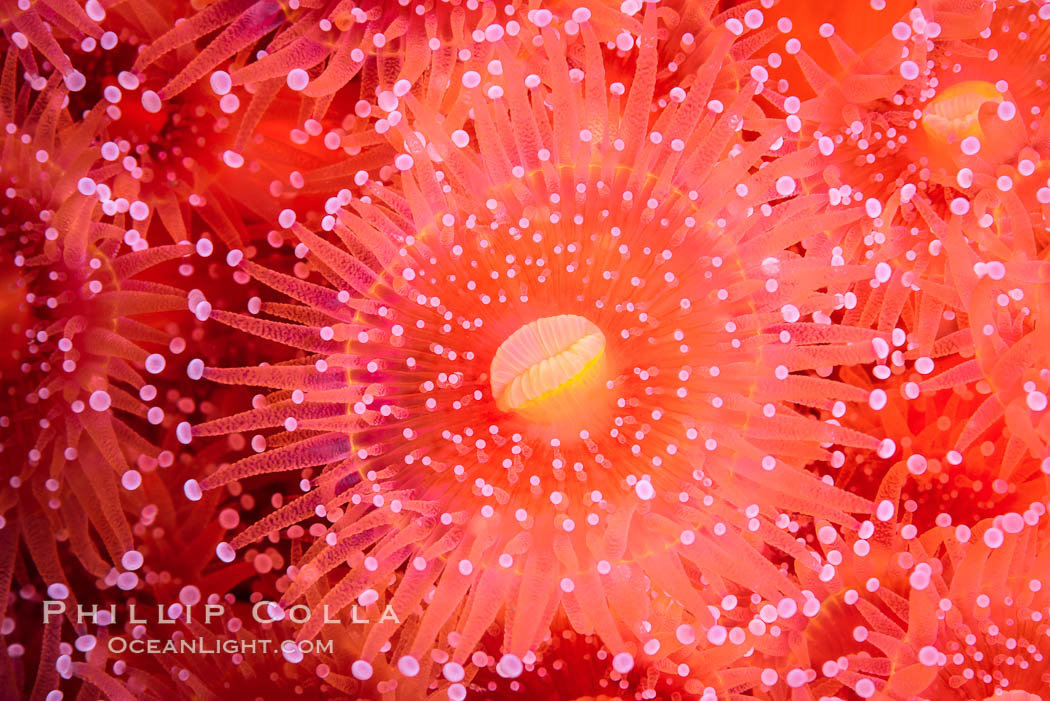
{"x": 953, "y": 114}
{"x": 548, "y": 370}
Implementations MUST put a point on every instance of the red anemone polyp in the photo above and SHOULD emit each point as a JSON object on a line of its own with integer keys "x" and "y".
{"x": 321, "y": 52}
{"x": 905, "y": 611}
{"x": 938, "y": 129}
{"x": 942, "y": 117}
{"x": 88, "y": 340}
{"x": 636, "y": 272}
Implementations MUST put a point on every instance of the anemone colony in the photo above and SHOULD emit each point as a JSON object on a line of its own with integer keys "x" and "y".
{"x": 460, "y": 349}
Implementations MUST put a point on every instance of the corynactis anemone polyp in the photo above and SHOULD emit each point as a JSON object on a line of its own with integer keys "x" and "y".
{"x": 580, "y": 261}
{"x": 79, "y": 412}
{"x": 931, "y": 131}
{"x": 300, "y": 84}
{"x": 945, "y": 612}
{"x": 993, "y": 619}
{"x": 934, "y": 117}
{"x": 945, "y": 485}
{"x": 969, "y": 335}
{"x": 966, "y": 391}
{"x": 316, "y": 49}
{"x": 940, "y": 121}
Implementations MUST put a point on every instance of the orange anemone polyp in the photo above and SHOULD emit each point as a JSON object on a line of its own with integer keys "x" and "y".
{"x": 464, "y": 271}
{"x": 548, "y": 370}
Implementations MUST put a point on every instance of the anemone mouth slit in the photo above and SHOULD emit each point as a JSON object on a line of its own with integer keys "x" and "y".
{"x": 548, "y": 370}
{"x": 953, "y": 114}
